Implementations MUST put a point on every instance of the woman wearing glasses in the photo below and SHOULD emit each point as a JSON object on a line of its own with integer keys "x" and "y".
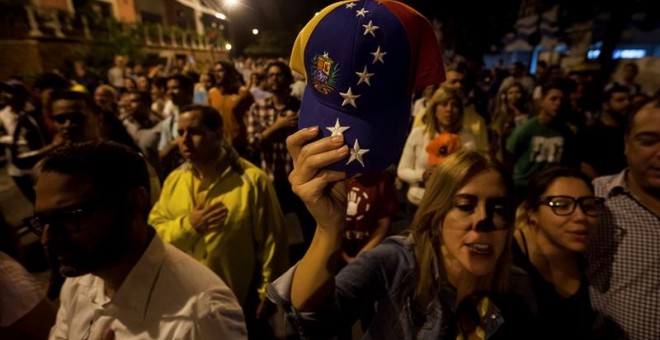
{"x": 555, "y": 220}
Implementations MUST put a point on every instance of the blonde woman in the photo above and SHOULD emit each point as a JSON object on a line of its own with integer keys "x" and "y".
{"x": 513, "y": 108}
{"x": 444, "y": 114}
{"x": 445, "y": 280}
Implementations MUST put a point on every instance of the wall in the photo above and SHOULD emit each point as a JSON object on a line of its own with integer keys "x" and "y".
{"x": 126, "y": 11}
{"x": 53, "y": 4}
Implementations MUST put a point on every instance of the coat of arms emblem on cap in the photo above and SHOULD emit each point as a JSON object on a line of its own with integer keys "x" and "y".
{"x": 324, "y": 71}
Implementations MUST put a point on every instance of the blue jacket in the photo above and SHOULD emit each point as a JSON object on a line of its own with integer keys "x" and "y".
{"x": 380, "y": 285}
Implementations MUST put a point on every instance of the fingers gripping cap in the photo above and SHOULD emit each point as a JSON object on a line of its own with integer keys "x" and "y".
{"x": 362, "y": 61}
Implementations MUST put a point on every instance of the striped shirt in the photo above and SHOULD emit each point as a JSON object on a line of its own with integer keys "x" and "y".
{"x": 275, "y": 159}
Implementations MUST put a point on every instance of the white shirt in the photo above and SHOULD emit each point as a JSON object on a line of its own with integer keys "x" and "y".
{"x": 167, "y": 295}
{"x": 415, "y": 160}
{"x": 9, "y": 120}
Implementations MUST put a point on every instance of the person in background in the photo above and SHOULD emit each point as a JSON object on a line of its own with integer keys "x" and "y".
{"x": 25, "y": 311}
{"x": 554, "y": 223}
{"x": 513, "y": 109}
{"x": 117, "y": 73}
{"x": 256, "y": 85}
{"x": 232, "y": 99}
{"x": 422, "y": 102}
{"x": 106, "y": 98}
{"x": 444, "y": 115}
{"x": 223, "y": 211}
{"x": 180, "y": 95}
{"x": 200, "y": 93}
{"x": 629, "y": 73}
{"x": 371, "y": 204}
{"x": 143, "y": 125}
{"x": 543, "y": 141}
{"x": 602, "y": 143}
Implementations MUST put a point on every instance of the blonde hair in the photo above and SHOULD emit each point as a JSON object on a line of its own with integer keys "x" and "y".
{"x": 442, "y": 96}
{"x": 447, "y": 179}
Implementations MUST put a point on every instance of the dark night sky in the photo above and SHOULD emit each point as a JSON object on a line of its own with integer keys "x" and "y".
{"x": 287, "y": 15}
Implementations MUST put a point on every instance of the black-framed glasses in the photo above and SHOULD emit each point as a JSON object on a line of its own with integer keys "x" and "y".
{"x": 565, "y": 205}
{"x": 68, "y": 221}
{"x": 64, "y": 220}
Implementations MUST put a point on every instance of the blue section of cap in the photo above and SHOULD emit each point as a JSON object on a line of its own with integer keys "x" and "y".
{"x": 340, "y": 34}
{"x": 380, "y": 119}
{"x": 384, "y": 135}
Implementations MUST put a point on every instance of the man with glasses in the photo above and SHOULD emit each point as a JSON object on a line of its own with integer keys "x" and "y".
{"x": 122, "y": 282}
{"x": 623, "y": 258}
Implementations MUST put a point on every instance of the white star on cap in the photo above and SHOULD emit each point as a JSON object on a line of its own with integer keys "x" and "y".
{"x": 351, "y": 5}
{"x": 361, "y": 12}
{"x": 349, "y": 97}
{"x": 356, "y": 153}
{"x": 370, "y": 28}
{"x": 337, "y": 130}
{"x": 364, "y": 76}
{"x": 378, "y": 56}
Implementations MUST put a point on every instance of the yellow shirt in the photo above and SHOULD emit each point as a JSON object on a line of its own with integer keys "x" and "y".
{"x": 252, "y": 236}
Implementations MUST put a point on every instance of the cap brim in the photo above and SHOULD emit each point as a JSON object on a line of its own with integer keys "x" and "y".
{"x": 383, "y": 133}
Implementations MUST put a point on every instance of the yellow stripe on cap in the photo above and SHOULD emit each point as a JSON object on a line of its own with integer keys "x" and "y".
{"x": 297, "y": 61}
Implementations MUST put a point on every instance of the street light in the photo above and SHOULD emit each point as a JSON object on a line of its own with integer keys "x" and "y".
{"x": 255, "y": 31}
{"x": 231, "y": 3}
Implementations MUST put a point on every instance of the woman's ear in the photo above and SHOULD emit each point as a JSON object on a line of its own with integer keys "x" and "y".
{"x": 532, "y": 219}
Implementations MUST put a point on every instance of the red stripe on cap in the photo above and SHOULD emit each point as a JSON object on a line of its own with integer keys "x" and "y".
{"x": 425, "y": 51}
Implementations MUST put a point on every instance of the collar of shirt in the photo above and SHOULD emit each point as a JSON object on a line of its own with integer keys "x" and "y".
{"x": 617, "y": 185}
{"x": 134, "y": 293}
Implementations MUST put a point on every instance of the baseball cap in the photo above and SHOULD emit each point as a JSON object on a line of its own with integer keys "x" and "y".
{"x": 362, "y": 61}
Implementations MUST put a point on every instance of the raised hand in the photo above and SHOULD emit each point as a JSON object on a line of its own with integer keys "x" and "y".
{"x": 322, "y": 190}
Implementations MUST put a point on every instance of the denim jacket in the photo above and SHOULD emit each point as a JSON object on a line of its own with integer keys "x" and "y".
{"x": 382, "y": 282}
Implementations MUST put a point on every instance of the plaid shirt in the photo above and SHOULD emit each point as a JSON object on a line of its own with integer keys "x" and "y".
{"x": 274, "y": 157}
{"x": 624, "y": 264}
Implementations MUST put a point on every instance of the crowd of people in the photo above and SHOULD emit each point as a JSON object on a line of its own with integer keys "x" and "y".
{"x": 188, "y": 194}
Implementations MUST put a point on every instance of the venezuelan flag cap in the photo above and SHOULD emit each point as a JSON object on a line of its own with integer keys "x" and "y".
{"x": 362, "y": 61}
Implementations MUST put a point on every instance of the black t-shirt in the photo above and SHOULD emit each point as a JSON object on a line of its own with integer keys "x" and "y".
{"x": 559, "y": 317}
{"x": 602, "y": 147}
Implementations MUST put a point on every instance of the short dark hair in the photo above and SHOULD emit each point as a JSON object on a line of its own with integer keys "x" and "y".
{"x": 653, "y": 102}
{"x": 51, "y": 80}
{"x": 185, "y": 82}
{"x": 541, "y": 181}
{"x": 74, "y": 96}
{"x": 545, "y": 89}
{"x": 211, "y": 118}
{"x": 616, "y": 88}
{"x": 286, "y": 70}
{"x": 115, "y": 169}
